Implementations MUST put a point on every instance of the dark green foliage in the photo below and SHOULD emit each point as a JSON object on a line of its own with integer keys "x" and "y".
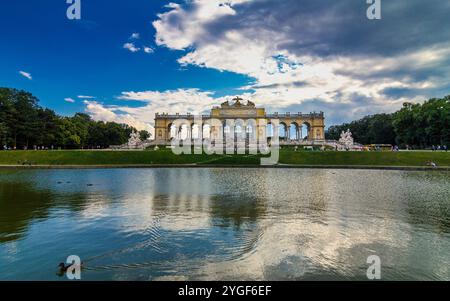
{"x": 144, "y": 135}
{"x": 424, "y": 125}
{"x": 415, "y": 125}
{"x": 376, "y": 129}
{"x": 24, "y": 124}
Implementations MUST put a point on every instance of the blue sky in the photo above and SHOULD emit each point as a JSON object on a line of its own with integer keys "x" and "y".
{"x": 295, "y": 55}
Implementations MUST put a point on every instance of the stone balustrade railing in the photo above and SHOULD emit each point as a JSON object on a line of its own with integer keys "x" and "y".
{"x": 269, "y": 116}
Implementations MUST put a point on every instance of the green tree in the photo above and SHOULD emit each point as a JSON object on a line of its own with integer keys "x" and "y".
{"x": 422, "y": 125}
{"x": 67, "y": 134}
{"x": 375, "y": 129}
{"x": 48, "y": 128}
{"x": 3, "y": 134}
{"x": 144, "y": 135}
{"x": 20, "y": 113}
{"x": 82, "y": 123}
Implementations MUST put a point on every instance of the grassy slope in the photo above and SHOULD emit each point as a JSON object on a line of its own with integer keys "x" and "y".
{"x": 365, "y": 158}
{"x": 97, "y": 157}
{"x": 166, "y": 157}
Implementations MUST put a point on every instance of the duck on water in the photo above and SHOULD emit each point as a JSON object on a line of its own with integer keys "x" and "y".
{"x": 63, "y": 268}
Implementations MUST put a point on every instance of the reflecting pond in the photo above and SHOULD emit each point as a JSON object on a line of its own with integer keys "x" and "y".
{"x": 225, "y": 224}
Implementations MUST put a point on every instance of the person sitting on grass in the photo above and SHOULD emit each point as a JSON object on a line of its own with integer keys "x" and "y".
{"x": 432, "y": 164}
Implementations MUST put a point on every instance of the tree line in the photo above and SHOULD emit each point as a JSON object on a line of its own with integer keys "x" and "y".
{"x": 26, "y": 125}
{"x": 414, "y": 125}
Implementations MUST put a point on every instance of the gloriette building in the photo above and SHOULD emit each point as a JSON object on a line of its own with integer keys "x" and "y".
{"x": 238, "y": 118}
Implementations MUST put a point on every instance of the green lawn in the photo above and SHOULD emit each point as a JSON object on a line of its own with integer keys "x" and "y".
{"x": 365, "y": 158}
{"x": 97, "y": 157}
{"x": 167, "y": 157}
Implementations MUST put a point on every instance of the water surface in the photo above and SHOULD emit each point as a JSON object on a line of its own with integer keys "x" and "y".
{"x": 225, "y": 224}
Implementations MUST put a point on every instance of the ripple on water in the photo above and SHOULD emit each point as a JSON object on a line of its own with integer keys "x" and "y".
{"x": 218, "y": 224}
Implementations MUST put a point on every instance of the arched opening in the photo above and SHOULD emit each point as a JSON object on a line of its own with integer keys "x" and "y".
{"x": 206, "y": 131}
{"x": 226, "y": 129}
{"x": 238, "y": 129}
{"x": 305, "y": 131}
{"x": 293, "y": 131}
{"x": 269, "y": 130}
{"x": 173, "y": 133}
{"x": 283, "y": 131}
{"x": 196, "y": 132}
{"x": 184, "y": 132}
{"x": 251, "y": 130}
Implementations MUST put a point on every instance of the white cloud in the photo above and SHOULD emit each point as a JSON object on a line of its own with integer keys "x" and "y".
{"x": 185, "y": 33}
{"x": 68, "y": 99}
{"x": 177, "y": 101}
{"x": 26, "y": 74}
{"x": 283, "y": 77}
{"x": 283, "y": 52}
{"x": 252, "y": 52}
{"x": 148, "y": 49}
{"x": 85, "y": 96}
{"x": 173, "y": 101}
{"x": 131, "y": 47}
{"x": 101, "y": 112}
{"x": 135, "y": 36}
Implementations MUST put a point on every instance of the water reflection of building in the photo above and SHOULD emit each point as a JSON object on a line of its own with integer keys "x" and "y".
{"x": 248, "y": 120}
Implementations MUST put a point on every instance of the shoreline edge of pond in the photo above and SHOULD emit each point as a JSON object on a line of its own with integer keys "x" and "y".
{"x": 253, "y": 166}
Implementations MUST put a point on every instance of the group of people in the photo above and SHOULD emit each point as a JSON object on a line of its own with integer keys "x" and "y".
{"x": 439, "y": 148}
{"x": 35, "y": 147}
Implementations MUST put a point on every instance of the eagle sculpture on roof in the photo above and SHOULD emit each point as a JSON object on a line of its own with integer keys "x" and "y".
{"x": 250, "y": 104}
{"x": 237, "y": 103}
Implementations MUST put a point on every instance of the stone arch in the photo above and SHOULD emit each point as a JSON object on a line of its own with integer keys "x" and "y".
{"x": 283, "y": 131}
{"x": 206, "y": 130}
{"x": 180, "y": 129}
{"x": 269, "y": 130}
{"x": 305, "y": 132}
{"x": 294, "y": 131}
{"x": 239, "y": 126}
{"x": 227, "y": 128}
{"x": 172, "y": 131}
{"x": 184, "y": 131}
{"x": 251, "y": 129}
{"x": 196, "y": 131}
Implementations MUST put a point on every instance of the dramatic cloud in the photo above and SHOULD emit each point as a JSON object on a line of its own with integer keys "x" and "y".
{"x": 325, "y": 53}
{"x": 301, "y": 56}
{"x": 131, "y": 47}
{"x": 26, "y": 74}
